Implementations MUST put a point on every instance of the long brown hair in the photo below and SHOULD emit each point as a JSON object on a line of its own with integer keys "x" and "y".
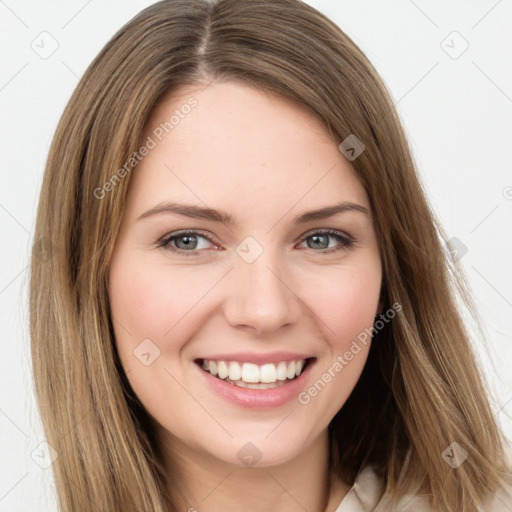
{"x": 421, "y": 389}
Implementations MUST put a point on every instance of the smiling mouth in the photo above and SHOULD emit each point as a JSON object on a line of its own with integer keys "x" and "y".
{"x": 253, "y": 376}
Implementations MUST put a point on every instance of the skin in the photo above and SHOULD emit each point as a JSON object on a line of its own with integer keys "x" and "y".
{"x": 264, "y": 160}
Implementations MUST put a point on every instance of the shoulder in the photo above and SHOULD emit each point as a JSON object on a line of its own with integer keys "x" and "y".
{"x": 367, "y": 495}
{"x": 500, "y": 501}
{"x": 364, "y": 494}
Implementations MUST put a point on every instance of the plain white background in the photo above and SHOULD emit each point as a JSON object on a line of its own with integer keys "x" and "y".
{"x": 445, "y": 64}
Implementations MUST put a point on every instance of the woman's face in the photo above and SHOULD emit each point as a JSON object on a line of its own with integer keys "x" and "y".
{"x": 259, "y": 285}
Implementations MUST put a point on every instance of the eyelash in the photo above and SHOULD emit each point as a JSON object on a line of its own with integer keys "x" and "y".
{"x": 346, "y": 241}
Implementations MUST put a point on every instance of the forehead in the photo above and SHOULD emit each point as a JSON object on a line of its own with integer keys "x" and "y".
{"x": 233, "y": 145}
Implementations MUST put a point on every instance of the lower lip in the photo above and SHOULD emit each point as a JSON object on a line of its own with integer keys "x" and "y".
{"x": 258, "y": 398}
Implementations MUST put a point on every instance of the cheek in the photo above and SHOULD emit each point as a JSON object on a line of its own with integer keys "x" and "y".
{"x": 346, "y": 301}
{"x": 152, "y": 300}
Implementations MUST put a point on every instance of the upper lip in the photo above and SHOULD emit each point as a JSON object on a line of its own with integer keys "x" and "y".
{"x": 257, "y": 358}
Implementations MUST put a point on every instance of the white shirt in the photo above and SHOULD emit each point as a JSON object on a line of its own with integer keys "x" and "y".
{"x": 365, "y": 494}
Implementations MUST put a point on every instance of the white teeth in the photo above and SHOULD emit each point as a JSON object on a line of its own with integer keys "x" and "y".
{"x": 259, "y": 385}
{"x": 212, "y": 367}
{"x": 268, "y": 373}
{"x": 222, "y": 369}
{"x": 281, "y": 371}
{"x": 250, "y": 372}
{"x": 290, "y": 373}
{"x": 235, "y": 372}
{"x": 266, "y": 385}
{"x": 258, "y": 376}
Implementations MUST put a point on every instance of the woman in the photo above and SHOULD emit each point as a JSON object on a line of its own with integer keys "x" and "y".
{"x": 248, "y": 304}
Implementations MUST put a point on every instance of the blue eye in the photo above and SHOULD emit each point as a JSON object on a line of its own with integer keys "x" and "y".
{"x": 321, "y": 241}
{"x": 191, "y": 242}
{"x": 184, "y": 242}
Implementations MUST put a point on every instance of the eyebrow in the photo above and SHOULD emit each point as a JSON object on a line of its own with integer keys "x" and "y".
{"x": 197, "y": 212}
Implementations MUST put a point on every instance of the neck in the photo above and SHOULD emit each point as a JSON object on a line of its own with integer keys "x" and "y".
{"x": 208, "y": 484}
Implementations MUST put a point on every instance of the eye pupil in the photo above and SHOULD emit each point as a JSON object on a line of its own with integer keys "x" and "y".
{"x": 316, "y": 239}
{"x": 190, "y": 239}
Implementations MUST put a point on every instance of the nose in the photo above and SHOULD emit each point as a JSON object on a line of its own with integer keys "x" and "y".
{"x": 262, "y": 296}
